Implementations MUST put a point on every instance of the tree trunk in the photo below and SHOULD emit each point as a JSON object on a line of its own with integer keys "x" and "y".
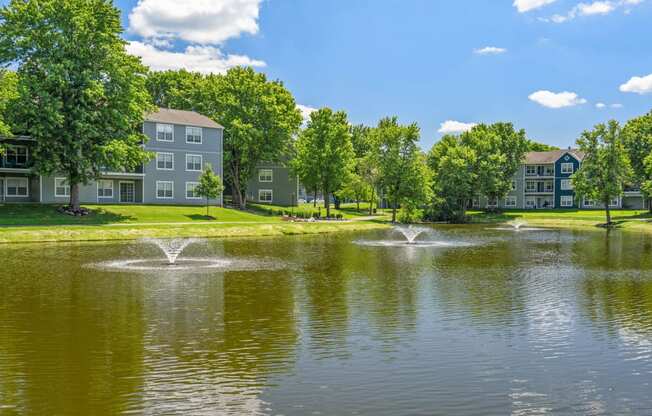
{"x": 337, "y": 202}
{"x": 357, "y": 203}
{"x": 371, "y": 201}
{"x": 207, "y": 205}
{"x": 236, "y": 191}
{"x": 608, "y": 212}
{"x": 327, "y": 203}
{"x": 74, "y": 196}
{"x": 394, "y": 206}
{"x": 314, "y": 201}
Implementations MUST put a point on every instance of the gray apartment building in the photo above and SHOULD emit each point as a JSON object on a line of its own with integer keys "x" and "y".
{"x": 181, "y": 142}
{"x": 275, "y": 184}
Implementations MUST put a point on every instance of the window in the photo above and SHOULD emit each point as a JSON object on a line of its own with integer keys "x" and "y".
{"x": 164, "y": 189}
{"x": 16, "y": 155}
{"x": 61, "y": 188}
{"x": 164, "y": 132}
{"x": 194, "y": 163}
{"x": 265, "y": 195}
{"x": 510, "y": 202}
{"x": 588, "y": 203}
{"x": 17, "y": 187}
{"x": 492, "y": 202}
{"x": 566, "y": 201}
{"x": 614, "y": 203}
{"x": 191, "y": 192}
{"x": 530, "y": 186}
{"x": 530, "y": 203}
{"x": 265, "y": 175}
{"x": 549, "y": 171}
{"x": 531, "y": 170}
{"x": 548, "y": 186}
{"x": 513, "y": 185}
{"x": 566, "y": 185}
{"x": 193, "y": 134}
{"x": 165, "y": 161}
{"x": 566, "y": 168}
{"x": 105, "y": 189}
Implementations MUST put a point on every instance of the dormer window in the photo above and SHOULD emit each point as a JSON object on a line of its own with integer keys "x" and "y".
{"x": 193, "y": 135}
{"x": 164, "y": 132}
{"x": 17, "y": 156}
{"x": 566, "y": 168}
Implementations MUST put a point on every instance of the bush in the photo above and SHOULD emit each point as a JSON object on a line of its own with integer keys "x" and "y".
{"x": 339, "y": 216}
{"x": 409, "y": 214}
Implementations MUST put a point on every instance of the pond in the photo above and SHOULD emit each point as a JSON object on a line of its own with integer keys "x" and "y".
{"x": 493, "y": 322}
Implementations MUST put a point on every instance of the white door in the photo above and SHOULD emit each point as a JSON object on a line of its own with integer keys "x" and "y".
{"x": 127, "y": 192}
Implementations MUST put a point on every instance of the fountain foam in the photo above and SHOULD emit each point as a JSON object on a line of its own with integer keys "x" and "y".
{"x": 411, "y": 233}
{"x": 171, "y": 248}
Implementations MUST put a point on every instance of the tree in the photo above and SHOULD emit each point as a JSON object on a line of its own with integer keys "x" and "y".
{"x": 499, "y": 151}
{"x": 355, "y": 188}
{"x": 82, "y": 97}
{"x": 403, "y": 174}
{"x": 605, "y": 167}
{"x": 8, "y": 93}
{"x": 637, "y": 136}
{"x": 534, "y": 146}
{"x": 455, "y": 176}
{"x": 210, "y": 185}
{"x": 324, "y": 152}
{"x": 174, "y": 89}
{"x": 260, "y": 117}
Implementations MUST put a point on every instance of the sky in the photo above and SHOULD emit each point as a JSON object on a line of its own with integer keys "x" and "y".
{"x": 552, "y": 67}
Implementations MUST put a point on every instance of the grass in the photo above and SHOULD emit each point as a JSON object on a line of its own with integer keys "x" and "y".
{"x": 639, "y": 220}
{"x": 42, "y": 223}
{"x": 348, "y": 211}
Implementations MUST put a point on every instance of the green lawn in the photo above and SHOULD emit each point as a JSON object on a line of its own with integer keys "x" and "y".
{"x": 348, "y": 211}
{"x": 36, "y": 214}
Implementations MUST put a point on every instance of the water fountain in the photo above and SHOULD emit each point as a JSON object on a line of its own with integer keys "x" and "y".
{"x": 171, "y": 248}
{"x": 411, "y": 233}
{"x": 516, "y": 225}
{"x": 411, "y": 238}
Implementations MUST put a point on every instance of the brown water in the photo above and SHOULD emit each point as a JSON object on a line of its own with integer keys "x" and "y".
{"x": 527, "y": 323}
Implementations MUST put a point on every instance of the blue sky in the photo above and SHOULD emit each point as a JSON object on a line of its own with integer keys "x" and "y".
{"x": 421, "y": 59}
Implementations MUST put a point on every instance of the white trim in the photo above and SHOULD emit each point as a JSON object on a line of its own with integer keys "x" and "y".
{"x": 164, "y": 163}
{"x": 17, "y": 146}
{"x": 271, "y": 192}
{"x": 617, "y": 204}
{"x": 585, "y": 203}
{"x": 166, "y": 125}
{"x": 201, "y": 162}
{"x": 164, "y": 197}
{"x": 120, "y": 193}
{"x": 563, "y": 198}
{"x": 112, "y": 189}
{"x": 56, "y": 195}
{"x": 186, "y": 193}
{"x": 6, "y": 180}
{"x": 568, "y": 188}
{"x": 566, "y": 164}
{"x": 510, "y": 198}
{"x": 201, "y": 135}
{"x": 271, "y": 175}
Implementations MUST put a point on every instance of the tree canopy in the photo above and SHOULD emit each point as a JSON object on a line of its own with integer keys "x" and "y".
{"x": 637, "y": 136}
{"x": 8, "y": 93}
{"x": 82, "y": 97}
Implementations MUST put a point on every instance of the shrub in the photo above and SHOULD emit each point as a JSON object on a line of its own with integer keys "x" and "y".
{"x": 409, "y": 214}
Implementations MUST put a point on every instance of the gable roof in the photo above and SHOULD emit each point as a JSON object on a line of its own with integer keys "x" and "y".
{"x": 186, "y": 118}
{"x": 551, "y": 156}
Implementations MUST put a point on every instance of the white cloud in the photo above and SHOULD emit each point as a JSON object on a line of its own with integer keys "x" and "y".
{"x": 526, "y": 5}
{"x": 452, "y": 127}
{"x": 599, "y": 7}
{"x": 616, "y": 105}
{"x": 638, "y": 85}
{"x": 306, "y": 111}
{"x": 600, "y": 105}
{"x": 556, "y": 99}
{"x": 206, "y": 22}
{"x": 204, "y": 59}
{"x": 489, "y": 50}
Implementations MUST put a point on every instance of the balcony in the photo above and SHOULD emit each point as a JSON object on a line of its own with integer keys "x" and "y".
{"x": 539, "y": 187}
{"x": 539, "y": 171}
{"x": 139, "y": 172}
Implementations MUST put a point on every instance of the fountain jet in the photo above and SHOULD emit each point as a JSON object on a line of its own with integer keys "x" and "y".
{"x": 411, "y": 233}
{"x": 517, "y": 224}
{"x": 172, "y": 248}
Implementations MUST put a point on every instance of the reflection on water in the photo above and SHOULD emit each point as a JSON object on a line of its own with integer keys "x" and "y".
{"x": 551, "y": 322}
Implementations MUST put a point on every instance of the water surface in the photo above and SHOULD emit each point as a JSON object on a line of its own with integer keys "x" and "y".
{"x": 497, "y": 322}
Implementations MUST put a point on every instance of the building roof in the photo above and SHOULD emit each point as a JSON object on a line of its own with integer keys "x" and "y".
{"x": 187, "y": 118}
{"x": 551, "y": 156}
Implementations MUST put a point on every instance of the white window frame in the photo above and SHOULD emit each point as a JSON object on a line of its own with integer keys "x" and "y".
{"x": 166, "y": 154}
{"x": 171, "y": 188}
{"x": 201, "y": 135}
{"x": 552, "y": 186}
{"x": 531, "y": 167}
{"x": 510, "y": 202}
{"x": 192, "y": 197}
{"x": 14, "y": 148}
{"x": 527, "y": 188}
{"x": 564, "y": 199}
{"x": 492, "y": 204}
{"x": 271, "y": 193}
{"x": 66, "y": 194}
{"x": 201, "y": 162}
{"x": 6, "y": 181}
{"x": 588, "y": 203}
{"x": 262, "y": 178}
{"x": 616, "y": 205}
{"x": 548, "y": 170}
{"x": 104, "y": 189}
{"x": 530, "y": 202}
{"x": 566, "y": 171}
{"x": 568, "y": 183}
{"x": 162, "y": 127}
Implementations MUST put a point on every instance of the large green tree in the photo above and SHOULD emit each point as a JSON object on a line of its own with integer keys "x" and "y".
{"x": 82, "y": 97}
{"x": 259, "y": 116}
{"x": 403, "y": 174}
{"x": 324, "y": 153}
{"x": 605, "y": 167}
{"x": 174, "y": 89}
{"x": 8, "y": 93}
{"x": 637, "y": 135}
